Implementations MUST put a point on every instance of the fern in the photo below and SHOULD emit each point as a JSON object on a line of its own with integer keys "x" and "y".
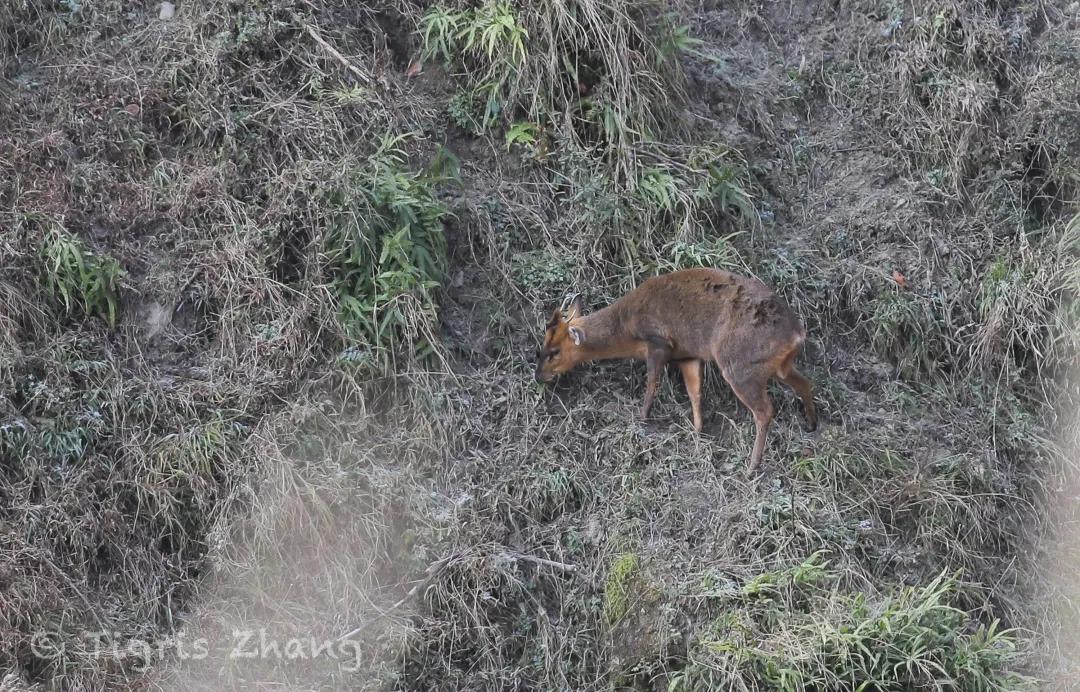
{"x": 387, "y": 263}
{"x": 82, "y": 281}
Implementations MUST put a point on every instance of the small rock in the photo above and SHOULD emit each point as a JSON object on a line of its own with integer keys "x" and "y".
{"x": 891, "y": 28}
{"x": 155, "y": 319}
{"x": 167, "y": 10}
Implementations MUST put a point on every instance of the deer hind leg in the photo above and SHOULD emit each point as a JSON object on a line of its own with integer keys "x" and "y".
{"x": 656, "y": 359}
{"x": 751, "y": 388}
{"x": 795, "y": 379}
{"x": 691, "y": 374}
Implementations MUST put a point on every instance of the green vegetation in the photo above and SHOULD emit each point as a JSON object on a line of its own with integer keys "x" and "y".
{"x": 616, "y": 97}
{"x": 914, "y": 639}
{"x": 82, "y": 281}
{"x": 910, "y": 330}
{"x": 618, "y": 591}
{"x": 386, "y": 255}
{"x": 541, "y": 273}
{"x": 1016, "y": 301}
{"x": 601, "y": 72}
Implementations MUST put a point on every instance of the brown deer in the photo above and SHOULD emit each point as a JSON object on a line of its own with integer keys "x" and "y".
{"x": 688, "y": 316}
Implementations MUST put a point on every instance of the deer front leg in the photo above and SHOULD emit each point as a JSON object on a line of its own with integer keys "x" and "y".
{"x": 655, "y": 361}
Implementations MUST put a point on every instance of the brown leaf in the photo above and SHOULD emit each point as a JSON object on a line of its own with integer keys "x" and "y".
{"x": 899, "y": 278}
{"x": 133, "y": 108}
{"x": 414, "y": 69}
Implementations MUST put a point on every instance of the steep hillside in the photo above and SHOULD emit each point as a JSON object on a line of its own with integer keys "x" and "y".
{"x": 274, "y": 273}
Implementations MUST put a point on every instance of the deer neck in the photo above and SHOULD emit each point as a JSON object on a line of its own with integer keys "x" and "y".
{"x": 606, "y": 336}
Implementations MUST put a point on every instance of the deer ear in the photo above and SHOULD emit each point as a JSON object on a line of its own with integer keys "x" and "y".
{"x": 577, "y": 335}
{"x": 575, "y": 309}
{"x": 556, "y": 317}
